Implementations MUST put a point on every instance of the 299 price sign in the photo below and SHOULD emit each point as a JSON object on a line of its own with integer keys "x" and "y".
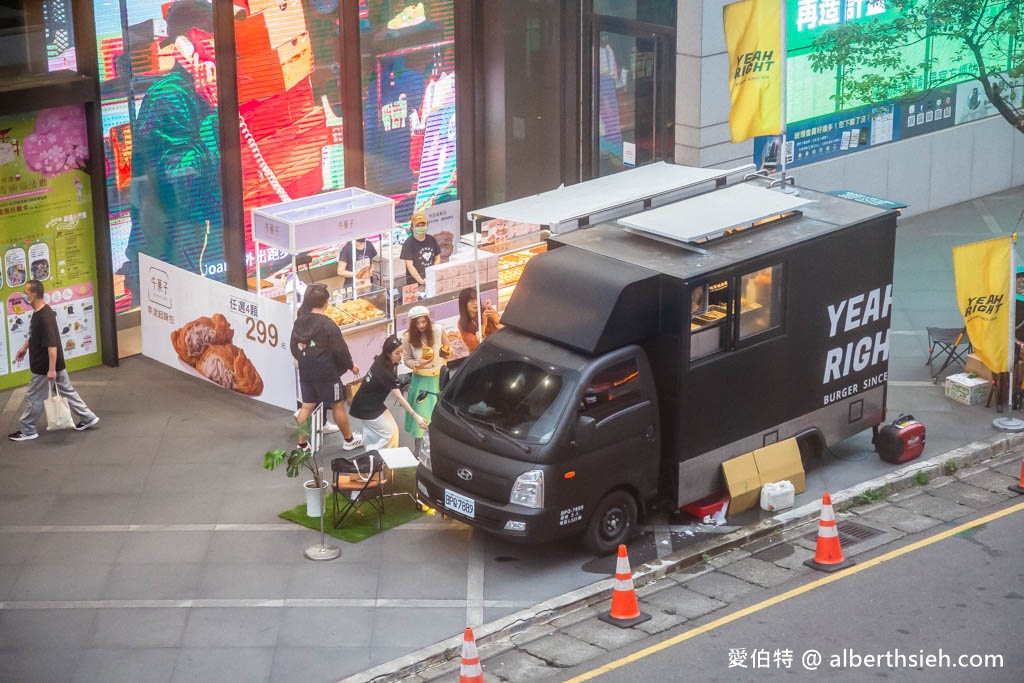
{"x": 260, "y": 332}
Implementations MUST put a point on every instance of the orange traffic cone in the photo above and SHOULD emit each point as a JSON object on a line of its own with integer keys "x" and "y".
{"x": 471, "y": 671}
{"x": 1019, "y": 487}
{"x": 625, "y": 610}
{"x": 828, "y": 557}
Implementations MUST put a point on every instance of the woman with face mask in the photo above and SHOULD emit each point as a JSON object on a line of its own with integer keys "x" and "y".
{"x": 420, "y": 251}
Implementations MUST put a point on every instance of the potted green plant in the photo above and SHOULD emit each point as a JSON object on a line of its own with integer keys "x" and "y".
{"x": 295, "y": 460}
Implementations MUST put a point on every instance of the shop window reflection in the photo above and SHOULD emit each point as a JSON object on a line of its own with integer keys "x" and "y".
{"x": 408, "y": 80}
{"x": 290, "y": 110}
{"x": 158, "y": 86}
{"x": 612, "y": 389}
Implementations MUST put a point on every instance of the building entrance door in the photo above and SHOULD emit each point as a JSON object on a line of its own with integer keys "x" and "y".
{"x": 632, "y": 96}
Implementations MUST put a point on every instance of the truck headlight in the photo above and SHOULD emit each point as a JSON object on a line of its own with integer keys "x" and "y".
{"x": 528, "y": 490}
{"x": 424, "y": 454}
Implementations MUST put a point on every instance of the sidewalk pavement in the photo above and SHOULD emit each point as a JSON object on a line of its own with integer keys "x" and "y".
{"x": 722, "y": 576}
{"x": 149, "y": 548}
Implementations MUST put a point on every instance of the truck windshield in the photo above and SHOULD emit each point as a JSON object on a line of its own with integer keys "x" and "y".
{"x": 510, "y": 393}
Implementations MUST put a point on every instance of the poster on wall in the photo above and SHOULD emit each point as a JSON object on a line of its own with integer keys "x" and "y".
{"x": 46, "y": 234}
{"x": 825, "y": 137}
{"x": 927, "y": 113}
{"x": 972, "y": 104}
{"x": 220, "y": 334}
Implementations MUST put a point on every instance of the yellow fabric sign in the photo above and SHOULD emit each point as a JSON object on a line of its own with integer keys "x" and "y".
{"x": 982, "y": 272}
{"x": 753, "y": 37}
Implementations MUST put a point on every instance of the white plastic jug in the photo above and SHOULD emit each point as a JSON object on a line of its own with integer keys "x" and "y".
{"x": 777, "y": 495}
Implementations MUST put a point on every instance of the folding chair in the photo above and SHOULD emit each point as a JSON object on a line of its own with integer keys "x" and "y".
{"x": 950, "y": 344}
{"x": 360, "y": 481}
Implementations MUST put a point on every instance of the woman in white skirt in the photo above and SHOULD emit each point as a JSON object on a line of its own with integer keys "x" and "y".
{"x": 378, "y": 425}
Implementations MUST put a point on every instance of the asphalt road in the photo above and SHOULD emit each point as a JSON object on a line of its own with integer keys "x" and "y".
{"x": 925, "y": 609}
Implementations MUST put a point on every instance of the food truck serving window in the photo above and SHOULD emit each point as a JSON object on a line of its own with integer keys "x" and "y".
{"x": 754, "y": 297}
{"x": 760, "y": 301}
{"x": 709, "y": 313}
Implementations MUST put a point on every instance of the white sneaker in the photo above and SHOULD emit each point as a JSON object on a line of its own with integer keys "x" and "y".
{"x": 87, "y": 424}
{"x": 331, "y": 428}
{"x": 356, "y": 442}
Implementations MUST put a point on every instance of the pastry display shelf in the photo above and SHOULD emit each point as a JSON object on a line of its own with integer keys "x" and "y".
{"x": 512, "y": 259}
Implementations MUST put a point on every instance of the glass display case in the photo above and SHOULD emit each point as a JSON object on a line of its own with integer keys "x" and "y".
{"x": 513, "y": 256}
{"x": 366, "y": 307}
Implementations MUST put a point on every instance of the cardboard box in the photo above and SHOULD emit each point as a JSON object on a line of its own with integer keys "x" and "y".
{"x": 743, "y": 483}
{"x": 967, "y": 390}
{"x": 265, "y": 75}
{"x": 266, "y": 29}
{"x": 779, "y": 462}
{"x": 975, "y": 366}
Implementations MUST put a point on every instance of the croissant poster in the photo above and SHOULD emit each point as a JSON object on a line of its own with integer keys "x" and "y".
{"x": 212, "y": 331}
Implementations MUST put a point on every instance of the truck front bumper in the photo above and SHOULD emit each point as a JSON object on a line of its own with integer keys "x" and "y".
{"x": 505, "y": 519}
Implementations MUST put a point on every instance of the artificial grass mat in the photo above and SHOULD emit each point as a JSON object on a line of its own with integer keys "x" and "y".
{"x": 362, "y": 523}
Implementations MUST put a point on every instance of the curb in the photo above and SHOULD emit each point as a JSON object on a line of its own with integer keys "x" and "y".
{"x": 601, "y": 591}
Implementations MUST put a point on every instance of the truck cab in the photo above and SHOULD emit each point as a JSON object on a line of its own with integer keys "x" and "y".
{"x": 527, "y": 431}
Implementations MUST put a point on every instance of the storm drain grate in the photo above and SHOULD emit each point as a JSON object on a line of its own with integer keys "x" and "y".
{"x": 849, "y": 532}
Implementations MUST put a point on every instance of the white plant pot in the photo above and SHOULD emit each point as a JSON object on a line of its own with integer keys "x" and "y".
{"x": 313, "y": 508}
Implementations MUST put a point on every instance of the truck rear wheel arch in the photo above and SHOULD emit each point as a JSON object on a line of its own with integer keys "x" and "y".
{"x": 811, "y": 443}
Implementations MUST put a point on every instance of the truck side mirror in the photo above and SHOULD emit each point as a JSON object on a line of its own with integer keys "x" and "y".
{"x": 583, "y": 434}
{"x": 443, "y": 377}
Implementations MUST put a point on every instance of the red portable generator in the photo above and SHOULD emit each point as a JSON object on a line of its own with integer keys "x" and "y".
{"x": 901, "y": 440}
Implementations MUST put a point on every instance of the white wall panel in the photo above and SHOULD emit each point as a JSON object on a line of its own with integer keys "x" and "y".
{"x": 991, "y": 169}
{"x": 950, "y": 149}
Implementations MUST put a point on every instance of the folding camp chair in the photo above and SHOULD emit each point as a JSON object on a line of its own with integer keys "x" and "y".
{"x": 949, "y": 344}
{"x": 360, "y": 481}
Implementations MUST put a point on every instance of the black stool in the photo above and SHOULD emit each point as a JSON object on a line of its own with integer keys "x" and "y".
{"x": 360, "y": 480}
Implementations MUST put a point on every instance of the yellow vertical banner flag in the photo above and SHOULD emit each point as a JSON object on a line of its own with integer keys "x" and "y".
{"x": 982, "y": 272}
{"x": 753, "y": 37}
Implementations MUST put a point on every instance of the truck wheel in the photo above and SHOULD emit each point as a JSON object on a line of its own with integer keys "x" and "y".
{"x": 612, "y": 523}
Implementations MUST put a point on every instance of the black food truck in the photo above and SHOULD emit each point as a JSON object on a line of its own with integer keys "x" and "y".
{"x": 638, "y": 355}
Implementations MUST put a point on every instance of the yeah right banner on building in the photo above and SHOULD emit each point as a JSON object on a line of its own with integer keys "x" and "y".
{"x": 982, "y": 272}
{"x": 753, "y": 37}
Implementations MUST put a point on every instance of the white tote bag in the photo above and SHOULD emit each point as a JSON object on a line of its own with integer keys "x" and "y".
{"x": 58, "y": 412}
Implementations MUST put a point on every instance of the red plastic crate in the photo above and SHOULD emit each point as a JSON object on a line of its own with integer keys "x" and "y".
{"x": 705, "y": 506}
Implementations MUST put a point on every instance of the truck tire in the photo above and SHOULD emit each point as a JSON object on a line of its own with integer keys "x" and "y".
{"x": 613, "y": 522}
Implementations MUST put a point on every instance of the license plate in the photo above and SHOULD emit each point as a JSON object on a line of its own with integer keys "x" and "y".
{"x": 458, "y": 503}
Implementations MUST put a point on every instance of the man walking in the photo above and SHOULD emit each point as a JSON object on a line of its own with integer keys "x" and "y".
{"x": 323, "y": 357}
{"x": 46, "y": 361}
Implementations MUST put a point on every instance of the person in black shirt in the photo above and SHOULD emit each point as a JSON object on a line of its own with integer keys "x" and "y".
{"x": 349, "y": 262}
{"x": 420, "y": 251}
{"x": 378, "y": 424}
{"x": 323, "y": 357}
{"x": 46, "y": 361}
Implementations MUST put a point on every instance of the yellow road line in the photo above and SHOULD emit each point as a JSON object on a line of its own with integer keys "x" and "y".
{"x": 823, "y": 581}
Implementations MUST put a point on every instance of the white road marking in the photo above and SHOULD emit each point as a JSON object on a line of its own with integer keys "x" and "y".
{"x": 249, "y": 603}
{"x": 475, "y": 582}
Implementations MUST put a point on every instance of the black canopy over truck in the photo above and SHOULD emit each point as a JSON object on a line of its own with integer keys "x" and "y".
{"x": 637, "y": 356}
